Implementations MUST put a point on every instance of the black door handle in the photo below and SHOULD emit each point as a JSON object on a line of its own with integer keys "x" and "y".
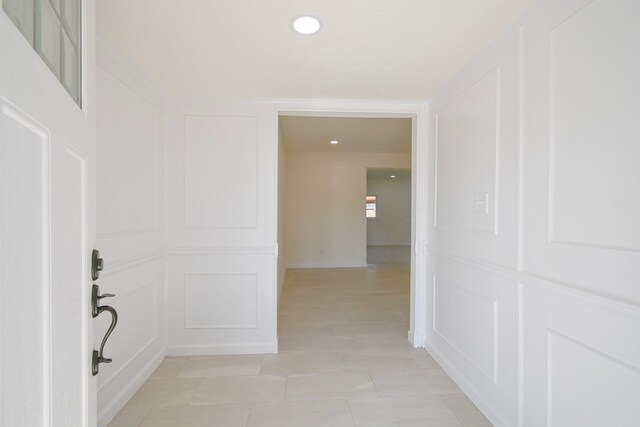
{"x": 96, "y": 310}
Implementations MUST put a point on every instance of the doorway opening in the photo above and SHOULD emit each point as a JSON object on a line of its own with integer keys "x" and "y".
{"x": 327, "y": 270}
{"x": 388, "y": 212}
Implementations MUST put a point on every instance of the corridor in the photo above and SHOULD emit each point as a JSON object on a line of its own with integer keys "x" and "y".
{"x": 344, "y": 360}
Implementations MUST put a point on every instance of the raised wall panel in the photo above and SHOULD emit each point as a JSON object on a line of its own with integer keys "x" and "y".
{"x": 580, "y": 131}
{"x": 130, "y": 153}
{"x": 130, "y": 232}
{"x": 472, "y": 332}
{"x": 467, "y": 322}
{"x": 235, "y": 298}
{"x": 126, "y": 159}
{"x": 138, "y": 342}
{"x": 595, "y": 128}
{"x": 221, "y": 302}
{"x": 570, "y": 387}
{"x": 220, "y": 172}
{"x": 473, "y": 159}
{"x": 466, "y": 158}
{"x": 581, "y": 361}
{"x": 138, "y": 312}
{"x": 25, "y": 281}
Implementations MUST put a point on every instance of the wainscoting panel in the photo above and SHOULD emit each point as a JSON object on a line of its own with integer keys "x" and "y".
{"x": 581, "y": 359}
{"x": 221, "y": 303}
{"x": 580, "y": 146}
{"x": 221, "y": 174}
{"x": 138, "y": 337}
{"x": 129, "y": 162}
{"x": 473, "y": 132}
{"x": 130, "y": 228}
{"x": 234, "y": 296}
{"x": 224, "y": 150}
{"x": 472, "y": 331}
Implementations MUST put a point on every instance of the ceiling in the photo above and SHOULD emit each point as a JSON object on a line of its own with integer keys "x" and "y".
{"x": 354, "y": 134}
{"x": 366, "y": 49}
{"x": 400, "y": 174}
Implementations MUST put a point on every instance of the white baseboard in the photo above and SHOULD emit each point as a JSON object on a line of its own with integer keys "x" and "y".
{"x": 222, "y": 349}
{"x": 112, "y": 408}
{"x": 313, "y": 265}
{"x": 472, "y": 393}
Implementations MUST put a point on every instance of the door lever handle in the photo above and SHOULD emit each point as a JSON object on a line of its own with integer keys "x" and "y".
{"x": 95, "y": 299}
{"x": 96, "y": 310}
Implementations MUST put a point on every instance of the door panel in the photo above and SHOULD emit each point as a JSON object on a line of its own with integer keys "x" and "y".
{"x": 26, "y": 284}
{"x": 46, "y": 233}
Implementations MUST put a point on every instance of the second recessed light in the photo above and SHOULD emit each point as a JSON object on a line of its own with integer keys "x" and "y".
{"x": 334, "y": 142}
{"x": 306, "y": 25}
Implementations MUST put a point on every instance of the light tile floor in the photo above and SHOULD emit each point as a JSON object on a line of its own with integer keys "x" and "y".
{"x": 344, "y": 360}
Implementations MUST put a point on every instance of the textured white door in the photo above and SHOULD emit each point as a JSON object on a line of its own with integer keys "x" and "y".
{"x": 46, "y": 147}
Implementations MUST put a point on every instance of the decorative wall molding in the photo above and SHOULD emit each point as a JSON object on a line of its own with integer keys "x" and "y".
{"x": 111, "y": 268}
{"x": 223, "y": 349}
{"x": 219, "y": 250}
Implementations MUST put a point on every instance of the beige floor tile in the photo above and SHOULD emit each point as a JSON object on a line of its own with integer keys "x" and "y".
{"x": 371, "y": 316}
{"x": 345, "y": 351}
{"x": 370, "y": 328}
{"x": 330, "y": 385}
{"x": 216, "y": 366}
{"x": 323, "y": 413}
{"x": 466, "y": 412}
{"x": 299, "y": 362}
{"x": 322, "y": 343}
{"x": 392, "y": 359}
{"x": 169, "y": 368}
{"x": 326, "y": 317}
{"x": 199, "y": 416}
{"x": 382, "y": 342}
{"x": 159, "y": 393}
{"x": 240, "y": 389}
{"x": 423, "y": 359}
{"x": 401, "y": 411}
{"x": 408, "y": 382}
{"x": 314, "y": 329}
{"x": 283, "y": 344}
{"x": 129, "y": 417}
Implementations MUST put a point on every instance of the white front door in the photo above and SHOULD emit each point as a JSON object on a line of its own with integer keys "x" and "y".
{"x": 46, "y": 225}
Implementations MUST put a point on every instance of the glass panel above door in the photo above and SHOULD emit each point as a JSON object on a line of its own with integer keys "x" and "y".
{"x": 52, "y": 28}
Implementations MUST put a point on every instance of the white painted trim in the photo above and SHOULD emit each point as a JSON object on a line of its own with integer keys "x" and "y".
{"x": 223, "y": 349}
{"x": 130, "y": 262}
{"x": 418, "y": 112}
{"x": 129, "y": 390}
{"x": 417, "y": 340}
{"x": 326, "y": 265}
{"x": 237, "y": 250}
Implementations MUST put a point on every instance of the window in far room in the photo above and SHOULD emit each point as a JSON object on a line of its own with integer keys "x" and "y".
{"x": 372, "y": 205}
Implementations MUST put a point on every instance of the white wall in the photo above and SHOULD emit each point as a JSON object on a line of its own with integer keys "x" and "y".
{"x": 534, "y": 243}
{"x": 325, "y": 197}
{"x": 393, "y": 223}
{"x": 130, "y": 229}
{"x": 221, "y": 194}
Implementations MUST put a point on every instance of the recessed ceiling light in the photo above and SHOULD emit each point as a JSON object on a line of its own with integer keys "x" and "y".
{"x": 393, "y": 176}
{"x": 305, "y": 25}
{"x": 334, "y": 142}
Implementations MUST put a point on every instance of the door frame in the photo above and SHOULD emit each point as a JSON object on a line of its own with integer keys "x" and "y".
{"x": 418, "y": 113}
